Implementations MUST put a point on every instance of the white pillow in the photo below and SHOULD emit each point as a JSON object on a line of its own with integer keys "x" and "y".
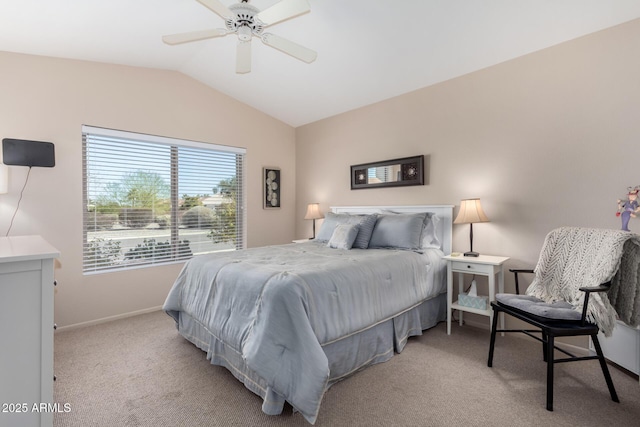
{"x": 343, "y": 236}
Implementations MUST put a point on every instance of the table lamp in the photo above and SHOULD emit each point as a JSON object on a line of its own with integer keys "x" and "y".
{"x": 470, "y": 212}
{"x": 313, "y": 212}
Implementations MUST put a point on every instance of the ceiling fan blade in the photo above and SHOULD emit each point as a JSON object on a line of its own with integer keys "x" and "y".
{"x": 289, "y": 47}
{"x": 243, "y": 57}
{"x": 194, "y": 36}
{"x": 282, "y": 10}
{"x": 218, "y": 8}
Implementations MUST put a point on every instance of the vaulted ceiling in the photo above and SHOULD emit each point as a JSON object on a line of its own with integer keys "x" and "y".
{"x": 368, "y": 50}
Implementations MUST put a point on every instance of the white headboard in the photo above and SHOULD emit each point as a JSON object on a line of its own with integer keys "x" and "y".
{"x": 444, "y": 212}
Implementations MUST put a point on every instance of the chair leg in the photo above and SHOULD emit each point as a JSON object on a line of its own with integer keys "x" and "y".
{"x": 605, "y": 369}
{"x": 494, "y": 326}
{"x": 550, "y": 356}
{"x": 544, "y": 345}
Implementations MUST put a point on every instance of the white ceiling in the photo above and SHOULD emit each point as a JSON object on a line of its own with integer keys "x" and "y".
{"x": 368, "y": 50}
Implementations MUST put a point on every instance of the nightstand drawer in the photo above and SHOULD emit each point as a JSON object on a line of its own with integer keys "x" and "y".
{"x": 464, "y": 267}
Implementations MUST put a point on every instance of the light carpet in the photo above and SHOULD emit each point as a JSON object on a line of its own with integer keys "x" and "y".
{"x": 140, "y": 372}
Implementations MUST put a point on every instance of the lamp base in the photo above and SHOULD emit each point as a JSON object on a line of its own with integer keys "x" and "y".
{"x": 475, "y": 254}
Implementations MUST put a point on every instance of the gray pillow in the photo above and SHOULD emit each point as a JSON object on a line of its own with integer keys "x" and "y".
{"x": 343, "y": 236}
{"x": 330, "y": 222}
{"x": 430, "y": 238}
{"x": 430, "y": 231}
{"x": 366, "y": 224}
{"x": 402, "y": 231}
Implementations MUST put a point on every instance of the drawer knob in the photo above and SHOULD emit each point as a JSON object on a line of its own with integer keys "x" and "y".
{"x": 55, "y": 326}
{"x": 55, "y": 283}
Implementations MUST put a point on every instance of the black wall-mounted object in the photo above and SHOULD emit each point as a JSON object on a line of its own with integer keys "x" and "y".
{"x": 22, "y": 152}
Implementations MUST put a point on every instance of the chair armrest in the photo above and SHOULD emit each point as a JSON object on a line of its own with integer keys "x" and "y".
{"x": 600, "y": 288}
{"x": 515, "y": 272}
{"x": 587, "y": 290}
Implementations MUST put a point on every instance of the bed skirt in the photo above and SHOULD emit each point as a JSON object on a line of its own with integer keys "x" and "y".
{"x": 346, "y": 356}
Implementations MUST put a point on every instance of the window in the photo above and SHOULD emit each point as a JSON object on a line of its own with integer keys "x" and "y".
{"x": 152, "y": 200}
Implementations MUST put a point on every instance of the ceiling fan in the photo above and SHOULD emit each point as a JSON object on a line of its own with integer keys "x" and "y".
{"x": 247, "y": 21}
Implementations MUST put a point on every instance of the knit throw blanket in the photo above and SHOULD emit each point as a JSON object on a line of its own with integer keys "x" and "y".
{"x": 573, "y": 257}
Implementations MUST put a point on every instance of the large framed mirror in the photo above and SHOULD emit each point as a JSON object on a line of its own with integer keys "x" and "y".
{"x": 388, "y": 173}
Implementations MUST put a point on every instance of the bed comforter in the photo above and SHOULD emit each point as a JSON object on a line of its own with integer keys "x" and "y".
{"x": 278, "y": 305}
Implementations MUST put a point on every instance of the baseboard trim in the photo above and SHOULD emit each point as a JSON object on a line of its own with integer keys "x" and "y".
{"x": 479, "y": 325}
{"x": 107, "y": 319}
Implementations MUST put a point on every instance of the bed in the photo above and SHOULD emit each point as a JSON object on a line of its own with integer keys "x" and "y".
{"x": 289, "y": 321}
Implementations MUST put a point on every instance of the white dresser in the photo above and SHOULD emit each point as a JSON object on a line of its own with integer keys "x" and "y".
{"x": 622, "y": 347}
{"x": 26, "y": 331}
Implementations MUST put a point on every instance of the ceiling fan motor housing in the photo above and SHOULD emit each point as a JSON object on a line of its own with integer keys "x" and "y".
{"x": 244, "y": 23}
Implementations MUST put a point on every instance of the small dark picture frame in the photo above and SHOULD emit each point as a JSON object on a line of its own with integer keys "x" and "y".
{"x": 271, "y": 188}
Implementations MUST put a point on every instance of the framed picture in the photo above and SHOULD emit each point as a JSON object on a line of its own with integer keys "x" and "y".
{"x": 271, "y": 188}
{"x": 388, "y": 173}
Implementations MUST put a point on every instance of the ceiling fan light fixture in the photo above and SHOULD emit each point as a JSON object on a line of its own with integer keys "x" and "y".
{"x": 244, "y": 33}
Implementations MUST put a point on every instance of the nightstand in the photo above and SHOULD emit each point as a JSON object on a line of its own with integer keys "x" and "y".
{"x": 300, "y": 240}
{"x": 483, "y": 265}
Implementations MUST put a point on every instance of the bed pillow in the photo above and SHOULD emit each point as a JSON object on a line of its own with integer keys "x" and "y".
{"x": 343, "y": 236}
{"x": 330, "y": 222}
{"x": 366, "y": 224}
{"x": 402, "y": 231}
{"x": 430, "y": 237}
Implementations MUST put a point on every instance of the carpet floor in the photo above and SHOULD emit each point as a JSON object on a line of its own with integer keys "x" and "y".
{"x": 140, "y": 372}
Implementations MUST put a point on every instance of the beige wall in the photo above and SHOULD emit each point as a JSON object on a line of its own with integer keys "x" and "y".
{"x": 49, "y": 99}
{"x": 545, "y": 140}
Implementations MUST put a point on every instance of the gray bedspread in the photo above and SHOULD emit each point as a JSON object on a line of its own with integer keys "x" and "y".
{"x": 278, "y": 305}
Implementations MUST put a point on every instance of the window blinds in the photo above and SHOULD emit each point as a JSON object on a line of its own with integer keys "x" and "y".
{"x": 151, "y": 199}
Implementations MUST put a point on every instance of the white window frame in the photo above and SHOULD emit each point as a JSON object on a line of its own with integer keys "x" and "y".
{"x": 175, "y": 144}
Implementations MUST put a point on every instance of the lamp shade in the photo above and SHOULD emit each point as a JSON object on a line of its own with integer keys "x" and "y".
{"x": 470, "y": 212}
{"x": 313, "y": 211}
